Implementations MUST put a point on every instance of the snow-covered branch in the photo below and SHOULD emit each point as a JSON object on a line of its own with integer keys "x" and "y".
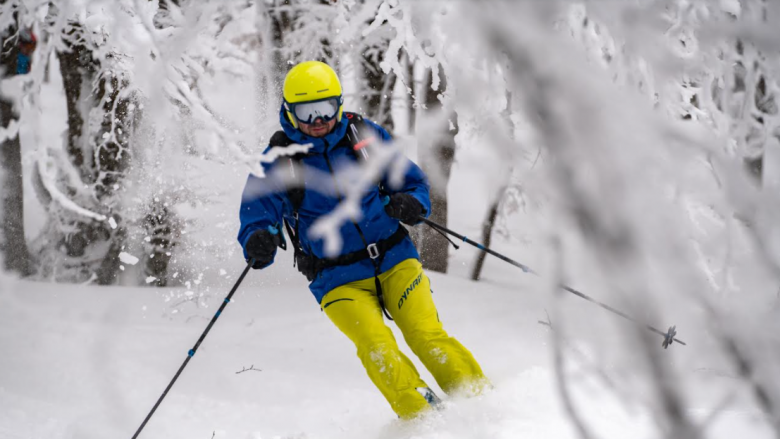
{"x": 47, "y": 175}
{"x": 355, "y": 181}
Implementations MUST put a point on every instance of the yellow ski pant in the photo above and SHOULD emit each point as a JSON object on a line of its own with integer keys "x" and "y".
{"x": 354, "y": 308}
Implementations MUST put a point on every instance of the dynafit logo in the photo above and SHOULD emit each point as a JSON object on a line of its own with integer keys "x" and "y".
{"x": 409, "y": 290}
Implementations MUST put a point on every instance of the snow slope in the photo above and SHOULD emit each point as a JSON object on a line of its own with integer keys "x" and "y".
{"x": 89, "y": 362}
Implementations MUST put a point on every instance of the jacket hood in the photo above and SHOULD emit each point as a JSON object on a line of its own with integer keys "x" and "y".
{"x": 318, "y": 143}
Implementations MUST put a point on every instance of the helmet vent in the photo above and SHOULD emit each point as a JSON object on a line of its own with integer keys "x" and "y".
{"x": 309, "y": 81}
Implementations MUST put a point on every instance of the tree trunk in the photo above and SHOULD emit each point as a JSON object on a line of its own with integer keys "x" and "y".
{"x": 490, "y": 221}
{"x": 411, "y": 94}
{"x": 78, "y": 71}
{"x": 162, "y": 227}
{"x": 416, "y": 233}
{"x": 376, "y": 91}
{"x": 487, "y": 233}
{"x": 101, "y": 118}
{"x": 281, "y": 23}
{"x": 13, "y": 245}
{"x": 437, "y": 153}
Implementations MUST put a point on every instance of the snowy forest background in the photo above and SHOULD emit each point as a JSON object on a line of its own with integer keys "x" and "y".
{"x": 632, "y": 148}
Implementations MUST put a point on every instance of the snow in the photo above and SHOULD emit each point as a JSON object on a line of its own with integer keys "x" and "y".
{"x": 127, "y": 258}
{"x": 89, "y": 362}
{"x": 9, "y": 132}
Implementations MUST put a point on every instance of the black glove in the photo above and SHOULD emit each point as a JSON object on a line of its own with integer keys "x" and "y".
{"x": 261, "y": 247}
{"x": 405, "y": 208}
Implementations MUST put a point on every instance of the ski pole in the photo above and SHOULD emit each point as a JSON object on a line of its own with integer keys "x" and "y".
{"x": 192, "y": 351}
{"x": 669, "y": 336}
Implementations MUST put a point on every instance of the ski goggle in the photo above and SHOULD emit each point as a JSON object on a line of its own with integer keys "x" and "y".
{"x": 308, "y": 112}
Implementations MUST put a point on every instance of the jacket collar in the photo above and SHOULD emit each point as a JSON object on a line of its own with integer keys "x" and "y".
{"x": 318, "y": 143}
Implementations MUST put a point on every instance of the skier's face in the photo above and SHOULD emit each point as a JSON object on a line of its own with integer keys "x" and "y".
{"x": 318, "y": 128}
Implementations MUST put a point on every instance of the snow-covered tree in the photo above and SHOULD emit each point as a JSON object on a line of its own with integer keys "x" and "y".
{"x": 437, "y": 154}
{"x": 102, "y": 114}
{"x": 669, "y": 61}
{"x": 375, "y": 86}
{"x": 407, "y": 44}
{"x": 119, "y": 60}
{"x": 17, "y": 42}
{"x": 300, "y": 30}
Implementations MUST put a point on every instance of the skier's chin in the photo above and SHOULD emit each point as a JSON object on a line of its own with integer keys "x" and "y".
{"x": 318, "y": 131}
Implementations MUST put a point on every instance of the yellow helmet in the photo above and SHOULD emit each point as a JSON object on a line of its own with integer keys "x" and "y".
{"x": 312, "y": 81}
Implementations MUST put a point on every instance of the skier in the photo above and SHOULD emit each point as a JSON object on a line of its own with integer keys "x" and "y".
{"x": 377, "y": 269}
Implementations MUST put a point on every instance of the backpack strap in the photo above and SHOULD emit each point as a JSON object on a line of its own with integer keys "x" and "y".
{"x": 280, "y": 139}
{"x": 295, "y": 193}
{"x": 358, "y": 136}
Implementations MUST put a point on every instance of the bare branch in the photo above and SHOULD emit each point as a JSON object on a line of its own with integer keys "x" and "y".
{"x": 244, "y": 369}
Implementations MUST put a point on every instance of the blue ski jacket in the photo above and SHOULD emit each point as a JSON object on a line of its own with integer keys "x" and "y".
{"x": 265, "y": 203}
